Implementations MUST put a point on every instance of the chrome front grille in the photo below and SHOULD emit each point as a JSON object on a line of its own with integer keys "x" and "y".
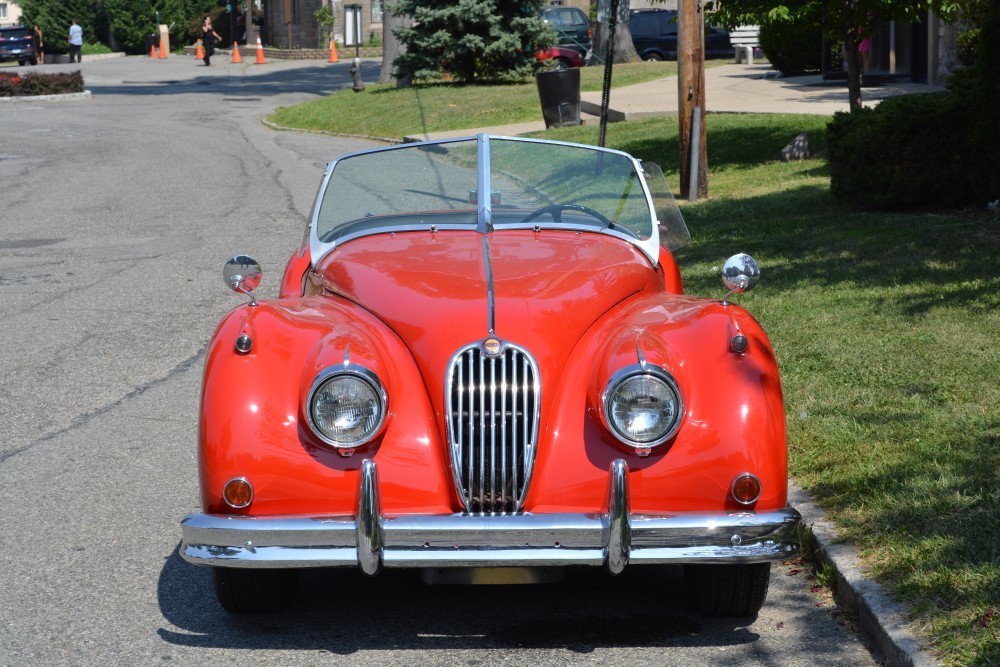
{"x": 492, "y": 427}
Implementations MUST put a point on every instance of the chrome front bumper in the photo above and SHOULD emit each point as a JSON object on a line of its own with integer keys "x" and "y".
{"x": 371, "y": 541}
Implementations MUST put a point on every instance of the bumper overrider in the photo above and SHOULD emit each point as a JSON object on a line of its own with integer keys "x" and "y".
{"x": 370, "y": 541}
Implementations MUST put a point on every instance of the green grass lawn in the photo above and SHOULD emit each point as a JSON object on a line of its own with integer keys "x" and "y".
{"x": 390, "y": 112}
{"x": 885, "y": 327}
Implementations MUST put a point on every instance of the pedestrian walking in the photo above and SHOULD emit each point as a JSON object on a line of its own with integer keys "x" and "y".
{"x": 208, "y": 40}
{"x": 75, "y": 41}
{"x": 39, "y": 45}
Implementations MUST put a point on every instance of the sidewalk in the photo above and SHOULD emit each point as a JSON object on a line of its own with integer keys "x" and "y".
{"x": 744, "y": 89}
{"x": 728, "y": 89}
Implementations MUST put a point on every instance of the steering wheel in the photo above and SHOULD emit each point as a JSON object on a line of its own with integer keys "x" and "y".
{"x": 555, "y": 210}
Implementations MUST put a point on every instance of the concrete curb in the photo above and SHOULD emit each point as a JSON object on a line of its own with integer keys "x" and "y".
{"x": 881, "y": 618}
{"x": 46, "y": 98}
{"x": 63, "y": 59}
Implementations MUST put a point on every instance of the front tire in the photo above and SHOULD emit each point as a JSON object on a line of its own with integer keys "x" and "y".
{"x": 251, "y": 591}
{"x": 727, "y": 590}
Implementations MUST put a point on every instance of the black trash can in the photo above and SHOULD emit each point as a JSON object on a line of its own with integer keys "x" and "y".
{"x": 151, "y": 41}
{"x": 559, "y": 92}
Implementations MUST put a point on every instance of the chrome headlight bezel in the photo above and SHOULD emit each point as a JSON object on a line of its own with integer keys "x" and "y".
{"x": 620, "y": 380}
{"x": 367, "y": 378}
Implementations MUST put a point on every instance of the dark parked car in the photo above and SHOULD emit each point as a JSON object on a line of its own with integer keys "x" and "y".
{"x": 18, "y": 44}
{"x": 654, "y": 34}
{"x": 572, "y": 26}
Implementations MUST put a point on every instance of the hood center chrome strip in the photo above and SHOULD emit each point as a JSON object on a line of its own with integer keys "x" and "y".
{"x": 490, "y": 294}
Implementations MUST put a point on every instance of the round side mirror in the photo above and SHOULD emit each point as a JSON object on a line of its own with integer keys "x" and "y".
{"x": 242, "y": 274}
{"x": 740, "y": 273}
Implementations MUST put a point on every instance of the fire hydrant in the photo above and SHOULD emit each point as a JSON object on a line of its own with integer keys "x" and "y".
{"x": 355, "y": 71}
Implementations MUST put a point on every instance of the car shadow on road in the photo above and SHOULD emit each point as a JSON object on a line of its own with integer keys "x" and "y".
{"x": 344, "y": 612}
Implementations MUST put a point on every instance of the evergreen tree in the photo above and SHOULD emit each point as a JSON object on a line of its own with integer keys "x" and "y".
{"x": 122, "y": 25}
{"x": 129, "y": 24}
{"x": 54, "y": 17}
{"x": 132, "y": 20}
{"x": 472, "y": 40}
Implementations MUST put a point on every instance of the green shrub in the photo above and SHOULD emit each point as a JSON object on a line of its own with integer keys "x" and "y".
{"x": 793, "y": 48}
{"x": 910, "y": 152}
{"x": 985, "y": 100}
{"x": 91, "y": 49}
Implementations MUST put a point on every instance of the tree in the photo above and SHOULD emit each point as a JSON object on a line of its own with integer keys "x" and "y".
{"x": 54, "y": 20}
{"x": 326, "y": 22}
{"x": 392, "y": 22}
{"x": 985, "y": 99}
{"x": 472, "y": 40}
{"x": 119, "y": 24}
{"x": 624, "y": 48}
{"x": 846, "y": 21}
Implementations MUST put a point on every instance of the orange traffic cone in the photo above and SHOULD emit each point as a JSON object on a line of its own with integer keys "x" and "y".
{"x": 163, "y": 52}
{"x": 260, "y": 52}
{"x": 236, "y": 54}
{"x": 333, "y": 52}
{"x": 152, "y": 52}
{"x": 199, "y": 53}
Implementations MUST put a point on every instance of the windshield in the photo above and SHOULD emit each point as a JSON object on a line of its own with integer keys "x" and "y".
{"x": 532, "y": 184}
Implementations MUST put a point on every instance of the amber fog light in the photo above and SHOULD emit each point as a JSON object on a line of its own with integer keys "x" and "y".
{"x": 746, "y": 489}
{"x": 237, "y": 492}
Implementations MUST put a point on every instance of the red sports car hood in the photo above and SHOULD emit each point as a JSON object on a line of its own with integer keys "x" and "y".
{"x": 431, "y": 289}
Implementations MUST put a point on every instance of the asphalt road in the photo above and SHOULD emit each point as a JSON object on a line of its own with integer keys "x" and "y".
{"x": 117, "y": 213}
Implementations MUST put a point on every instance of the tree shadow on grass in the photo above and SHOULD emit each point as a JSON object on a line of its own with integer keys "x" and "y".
{"x": 804, "y": 237}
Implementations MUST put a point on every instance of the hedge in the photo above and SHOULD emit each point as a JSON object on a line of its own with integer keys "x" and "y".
{"x": 16, "y": 85}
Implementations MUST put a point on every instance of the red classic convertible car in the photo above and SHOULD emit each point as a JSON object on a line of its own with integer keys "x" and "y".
{"x": 481, "y": 362}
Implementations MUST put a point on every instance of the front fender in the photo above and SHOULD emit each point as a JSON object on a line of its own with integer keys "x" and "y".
{"x": 253, "y": 421}
{"x": 733, "y": 415}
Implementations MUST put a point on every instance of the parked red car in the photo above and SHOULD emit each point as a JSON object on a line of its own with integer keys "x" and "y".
{"x": 481, "y": 360}
{"x": 562, "y": 57}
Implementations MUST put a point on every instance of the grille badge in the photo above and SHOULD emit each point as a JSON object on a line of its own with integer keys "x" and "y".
{"x": 492, "y": 347}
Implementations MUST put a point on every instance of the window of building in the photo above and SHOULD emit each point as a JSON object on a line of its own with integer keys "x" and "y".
{"x": 3, "y": 10}
{"x": 376, "y": 11}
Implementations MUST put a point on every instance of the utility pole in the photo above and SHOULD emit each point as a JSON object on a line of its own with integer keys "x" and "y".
{"x": 691, "y": 98}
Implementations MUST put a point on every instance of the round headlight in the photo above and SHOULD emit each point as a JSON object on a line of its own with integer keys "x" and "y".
{"x": 346, "y": 408}
{"x": 643, "y": 407}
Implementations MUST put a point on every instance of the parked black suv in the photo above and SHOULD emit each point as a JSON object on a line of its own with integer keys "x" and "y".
{"x": 654, "y": 34}
{"x": 18, "y": 44}
{"x": 572, "y": 26}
